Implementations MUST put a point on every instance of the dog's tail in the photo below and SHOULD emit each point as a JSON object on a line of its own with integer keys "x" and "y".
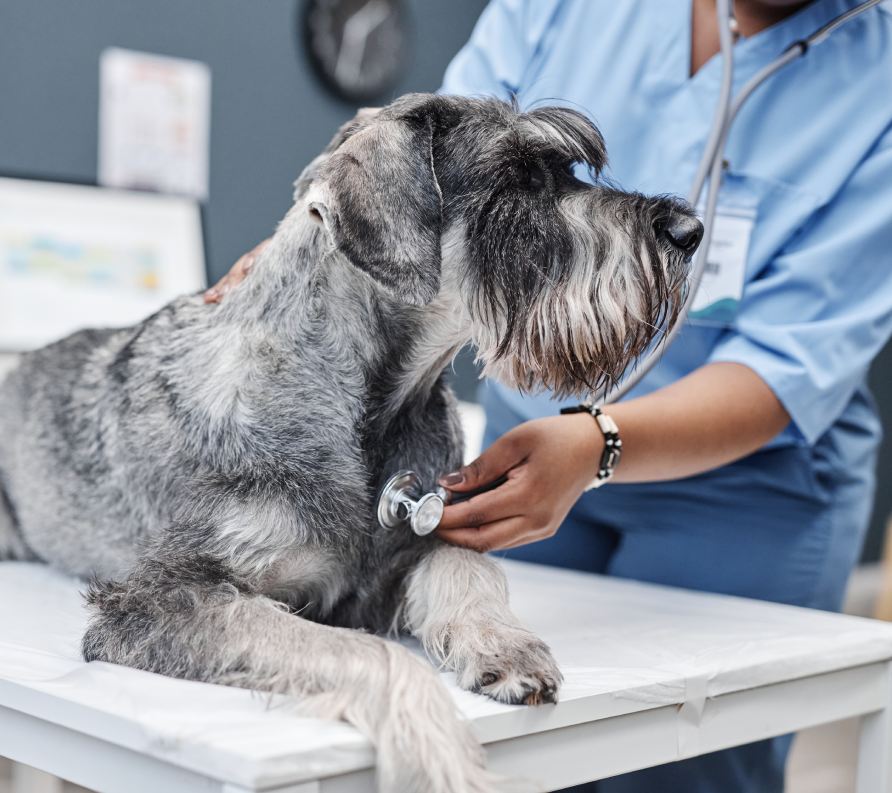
{"x": 201, "y": 625}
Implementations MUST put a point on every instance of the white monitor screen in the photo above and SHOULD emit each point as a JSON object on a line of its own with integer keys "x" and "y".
{"x": 75, "y": 256}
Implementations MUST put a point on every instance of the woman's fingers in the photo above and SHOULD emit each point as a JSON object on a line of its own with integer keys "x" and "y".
{"x": 491, "y": 537}
{"x": 495, "y": 461}
{"x": 504, "y": 501}
{"x": 235, "y": 276}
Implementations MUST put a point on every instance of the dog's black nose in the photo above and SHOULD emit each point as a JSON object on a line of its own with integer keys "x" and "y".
{"x": 684, "y": 232}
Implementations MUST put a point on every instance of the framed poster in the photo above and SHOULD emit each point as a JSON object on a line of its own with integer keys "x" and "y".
{"x": 74, "y": 256}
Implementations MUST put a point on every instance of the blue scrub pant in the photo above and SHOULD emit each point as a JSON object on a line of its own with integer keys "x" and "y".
{"x": 769, "y": 527}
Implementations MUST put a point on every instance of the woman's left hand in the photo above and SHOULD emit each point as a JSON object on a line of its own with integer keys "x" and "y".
{"x": 237, "y": 273}
{"x": 548, "y": 463}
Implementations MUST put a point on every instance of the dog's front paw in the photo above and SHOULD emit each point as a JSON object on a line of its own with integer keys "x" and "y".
{"x": 519, "y": 670}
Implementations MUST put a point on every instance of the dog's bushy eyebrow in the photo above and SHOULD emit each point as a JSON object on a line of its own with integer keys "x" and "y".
{"x": 568, "y": 133}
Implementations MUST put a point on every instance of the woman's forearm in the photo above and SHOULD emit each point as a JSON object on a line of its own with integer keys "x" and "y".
{"x": 715, "y": 415}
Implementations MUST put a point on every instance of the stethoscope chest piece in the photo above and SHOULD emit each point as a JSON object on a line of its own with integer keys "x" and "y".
{"x": 401, "y": 503}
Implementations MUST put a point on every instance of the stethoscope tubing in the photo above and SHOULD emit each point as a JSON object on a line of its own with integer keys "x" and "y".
{"x": 711, "y": 163}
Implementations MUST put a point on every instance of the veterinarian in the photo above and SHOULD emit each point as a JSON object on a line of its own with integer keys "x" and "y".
{"x": 749, "y": 451}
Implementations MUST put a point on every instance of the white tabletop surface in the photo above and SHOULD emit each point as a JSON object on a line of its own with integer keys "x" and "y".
{"x": 622, "y": 646}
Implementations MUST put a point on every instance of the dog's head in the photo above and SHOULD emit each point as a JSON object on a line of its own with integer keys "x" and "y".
{"x": 563, "y": 282}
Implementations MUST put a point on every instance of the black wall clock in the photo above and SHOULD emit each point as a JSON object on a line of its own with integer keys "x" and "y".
{"x": 357, "y": 47}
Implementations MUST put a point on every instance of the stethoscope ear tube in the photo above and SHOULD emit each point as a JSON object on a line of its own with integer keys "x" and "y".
{"x": 711, "y": 165}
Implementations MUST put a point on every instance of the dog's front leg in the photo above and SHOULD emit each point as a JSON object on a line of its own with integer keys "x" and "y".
{"x": 191, "y": 618}
{"x": 457, "y": 606}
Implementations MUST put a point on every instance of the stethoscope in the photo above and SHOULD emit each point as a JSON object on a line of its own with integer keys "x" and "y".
{"x": 711, "y": 163}
{"x": 403, "y": 502}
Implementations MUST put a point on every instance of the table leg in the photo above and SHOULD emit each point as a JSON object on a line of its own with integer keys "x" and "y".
{"x": 875, "y": 746}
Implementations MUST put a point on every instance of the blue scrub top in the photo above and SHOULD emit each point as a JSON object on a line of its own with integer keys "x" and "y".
{"x": 810, "y": 155}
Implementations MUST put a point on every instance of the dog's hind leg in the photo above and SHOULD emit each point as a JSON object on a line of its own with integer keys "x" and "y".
{"x": 457, "y": 605}
{"x": 199, "y": 623}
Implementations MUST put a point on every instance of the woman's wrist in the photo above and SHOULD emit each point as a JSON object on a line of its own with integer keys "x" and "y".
{"x": 611, "y": 448}
{"x": 588, "y": 445}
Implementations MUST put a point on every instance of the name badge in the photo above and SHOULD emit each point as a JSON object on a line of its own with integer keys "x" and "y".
{"x": 721, "y": 288}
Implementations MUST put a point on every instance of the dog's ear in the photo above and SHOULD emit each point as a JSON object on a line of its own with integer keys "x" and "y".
{"x": 309, "y": 174}
{"x": 377, "y": 195}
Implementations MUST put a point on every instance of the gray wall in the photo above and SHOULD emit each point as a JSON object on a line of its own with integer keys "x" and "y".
{"x": 270, "y": 115}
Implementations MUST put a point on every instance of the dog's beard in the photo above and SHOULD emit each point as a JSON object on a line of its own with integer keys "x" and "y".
{"x": 578, "y": 332}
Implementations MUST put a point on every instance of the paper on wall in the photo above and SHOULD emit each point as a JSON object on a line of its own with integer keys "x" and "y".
{"x": 154, "y": 123}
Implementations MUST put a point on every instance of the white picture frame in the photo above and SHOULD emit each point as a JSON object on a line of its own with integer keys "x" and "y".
{"x": 75, "y": 256}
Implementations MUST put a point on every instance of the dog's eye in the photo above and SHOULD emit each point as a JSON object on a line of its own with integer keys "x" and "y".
{"x": 568, "y": 178}
{"x": 532, "y": 176}
{"x": 567, "y": 170}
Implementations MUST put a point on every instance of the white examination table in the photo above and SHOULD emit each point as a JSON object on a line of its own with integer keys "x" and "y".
{"x": 651, "y": 675}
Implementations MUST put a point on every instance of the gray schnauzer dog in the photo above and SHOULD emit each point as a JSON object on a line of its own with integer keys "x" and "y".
{"x": 215, "y": 468}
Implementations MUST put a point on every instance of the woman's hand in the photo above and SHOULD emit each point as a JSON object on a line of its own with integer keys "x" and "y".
{"x": 235, "y": 276}
{"x": 548, "y": 463}
{"x": 717, "y": 414}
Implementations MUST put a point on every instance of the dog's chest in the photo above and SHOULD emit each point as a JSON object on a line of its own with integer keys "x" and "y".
{"x": 309, "y": 578}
